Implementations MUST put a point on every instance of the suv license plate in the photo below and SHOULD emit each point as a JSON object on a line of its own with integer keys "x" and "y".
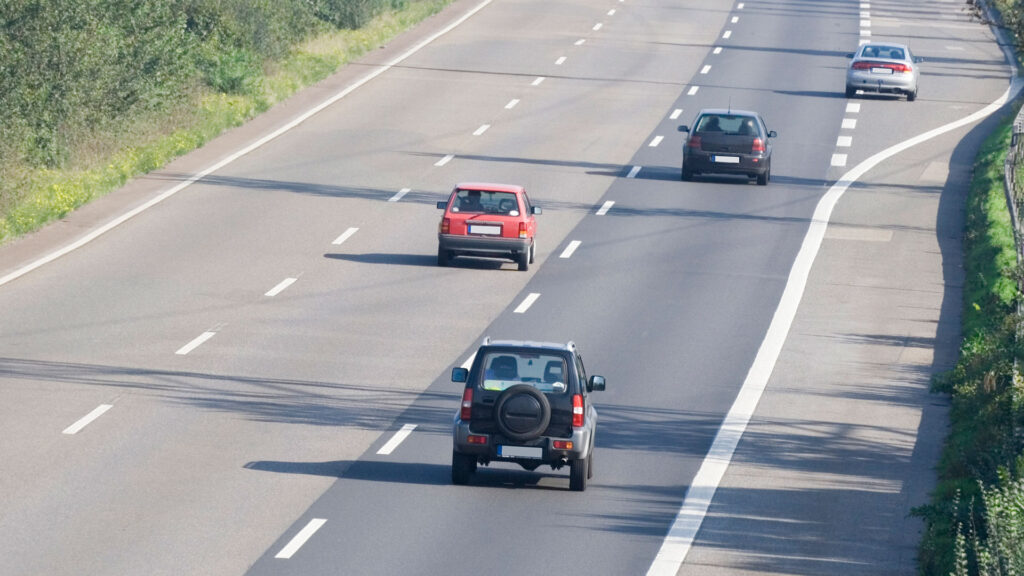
{"x": 726, "y": 159}
{"x": 520, "y": 452}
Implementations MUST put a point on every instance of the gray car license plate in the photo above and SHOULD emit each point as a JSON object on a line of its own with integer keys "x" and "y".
{"x": 520, "y": 452}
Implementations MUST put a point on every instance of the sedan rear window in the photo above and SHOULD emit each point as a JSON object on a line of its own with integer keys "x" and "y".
{"x": 545, "y": 372}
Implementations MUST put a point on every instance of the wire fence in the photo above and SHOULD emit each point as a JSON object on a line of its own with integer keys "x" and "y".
{"x": 1013, "y": 178}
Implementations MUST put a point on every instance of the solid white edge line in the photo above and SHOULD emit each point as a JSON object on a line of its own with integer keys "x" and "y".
{"x": 195, "y": 343}
{"x": 87, "y": 419}
{"x": 605, "y": 207}
{"x": 305, "y": 534}
{"x": 400, "y": 194}
{"x": 698, "y": 498}
{"x": 345, "y": 236}
{"x": 633, "y": 172}
{"x": 526, "y": 303}
{"x": 235, "y": 156}
{"x": 570, "y": 249}
{"x": 280, "y": 287}
{"x": 397, "y": 439}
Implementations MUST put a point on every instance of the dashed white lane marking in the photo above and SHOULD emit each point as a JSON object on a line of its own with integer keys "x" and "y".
{"x": 633, "y": 172}
{"x": 605, "y": 207}
{"x": 849, "y": 123}
{"x": 865, "y": 23}
{"x": 865, "y": 14}
{"x": 280, "y": 287}
{"x": 955, "y": 48}
{"x": 727, "y": 34}
{"x": 527, "y": 302}
{"x": 398, "y": 196}
{"x": 567, "y": 253}
{"x": 240, "y": 153}
{"x": 863, "y": 41}
{"x": 537, "y": 81}
{"x": 195, "y": 343}
{"x": 561, "y": 60}
{"x": 483, "y": 128}
{"x": 702, "y": 489}
{"x": 865, "y": 33}
{"x": 611, "y": 12}
{"x": 397, "y": 439}
{"x": 305, "y": 534}
{"x": 735, "y": 19}
{"x": 597, "y": 26}
{"x": 717, "y": 50}
{"x": 512, "y": 104}
{"x": 444, "y": 160}
{"x": 693, "y": 90}
{"x": 345, "y": 236}
{"x": 739, "y": 6}
{"x": 675, "y": 114}
{"x": 839, "y": 159}
{"x": 655, "y": 141}
{"x": 844, "y": 141}
{"x": 853, "y": 107}
{"x": 705, "y": 69}
{"x": 87, "y": 419}
{"x": 581, "y": 41}
{"x": 865, "y": 6}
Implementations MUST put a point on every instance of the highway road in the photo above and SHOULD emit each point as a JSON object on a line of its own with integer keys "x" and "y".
{"x": 252, "y": 375}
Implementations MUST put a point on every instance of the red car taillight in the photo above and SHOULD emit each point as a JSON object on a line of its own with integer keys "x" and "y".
{"x": 897, "y": 68}
{"x": 862, "y": 65}
{"x": 757, "y": 146}
{"x": 522, "y": 230}
{"x": 467, "y": 405}
{"x": 446, "y": 225}
{"x": 694, "y": 142}
{"x": 577, "y": 411}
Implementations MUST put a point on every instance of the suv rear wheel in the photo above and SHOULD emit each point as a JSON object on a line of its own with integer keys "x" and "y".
{"x": 463, "y": 466}
{"x": 578, "y": 474}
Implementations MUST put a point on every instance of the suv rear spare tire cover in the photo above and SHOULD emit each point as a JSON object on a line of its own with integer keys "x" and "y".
{"x": 523, "y": 412}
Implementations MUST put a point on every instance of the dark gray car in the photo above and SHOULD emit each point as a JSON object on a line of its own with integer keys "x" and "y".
{"x": 728, "y": 142}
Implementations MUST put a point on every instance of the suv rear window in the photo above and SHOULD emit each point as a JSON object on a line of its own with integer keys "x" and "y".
{"x": 482, "y": 201}
{"x": 545, "y": 372}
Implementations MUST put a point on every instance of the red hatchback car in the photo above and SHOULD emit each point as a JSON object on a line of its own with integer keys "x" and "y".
{"x": 491, "y": 220}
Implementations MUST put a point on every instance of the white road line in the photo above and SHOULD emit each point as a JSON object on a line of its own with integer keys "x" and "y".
{"x": 537, "y": 81}
{"x": 865, "y": 23}
{"x": 955, "y": 48}
{"x": 305, "y": 534}
{"x": 693, "y": 90}
{"x": 605, "y": 207}
{"x": 844, "y": 141}
{"x": 280, "y": 287}
{"x": 444, "y": 160}
{"x": 727, "y": 34}
{"x": 735, "y": 19}
{"x": 399, "y": 195}
{"x": 633, "y": 172}
{"x": 849, "y": 123}
{"x": 561, "y": 60}
{"x": 512, "y": 104}
{"x": 865, "y": 6}
{"x": 345, "y": 236}
{"x": 702, "y": 489}
{"x": 483, "y": 128}
{"x": 863, "y": 41}
{"x": 717, "y": 50}
{"x": 581, "y": 41}
{"x": 865, "y": 14}
{"x": 597, "y": 26}
{"x": 675, "y": 114}
{"x": 396, "y": 439}
{"x": 655, "y": 141}
{"x": 231, "y": 158}
{"x": 739, "y": 6}
{"x": 865, "y": 33}
{"x": 705, "y": 69}
{"x": 195, "y": 343}
{"x": 567, "y": 253}
{"x": 839, "y": 160}
{"x": 87, "y": 419}
{"x": 853, "y": 107}
{"x": 526, "y": 303}
{"x": 611, "y": 12}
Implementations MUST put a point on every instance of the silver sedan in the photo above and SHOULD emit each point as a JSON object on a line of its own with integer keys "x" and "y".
{"x": 884, "y": 68}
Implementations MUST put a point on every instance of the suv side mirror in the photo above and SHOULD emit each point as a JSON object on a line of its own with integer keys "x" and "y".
{"x": 442, "y": 205}
{"x": 595, "y": 384}
{"x": 683, "y": 128}
{"x": 536, "y": 209}
{"x": 772, "y": 134}
{"x": 460, "y": 374}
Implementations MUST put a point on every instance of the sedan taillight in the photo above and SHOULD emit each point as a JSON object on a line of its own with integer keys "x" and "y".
{"x": 467, "y": 405}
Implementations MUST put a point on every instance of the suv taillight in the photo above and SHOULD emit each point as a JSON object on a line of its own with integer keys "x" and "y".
{"x": 757, "y": 146}
{"x": 577, "y": 411}
{"x": 446, "y": 225}
{"x": 467, "y": 405}
{"x": 522, "y": 230}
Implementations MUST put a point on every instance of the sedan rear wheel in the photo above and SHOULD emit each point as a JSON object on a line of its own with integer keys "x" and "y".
{"x": 911, "y": 96}
{"x": 850, "y": 91}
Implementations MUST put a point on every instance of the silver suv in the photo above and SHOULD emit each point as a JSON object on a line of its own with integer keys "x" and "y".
{"x": 527, "y": 403}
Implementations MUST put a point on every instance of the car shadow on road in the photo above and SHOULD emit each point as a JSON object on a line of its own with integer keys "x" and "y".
{"x": 424, "y": 260}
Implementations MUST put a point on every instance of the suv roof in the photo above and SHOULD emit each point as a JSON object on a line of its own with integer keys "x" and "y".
{"x": 570, "y": 345}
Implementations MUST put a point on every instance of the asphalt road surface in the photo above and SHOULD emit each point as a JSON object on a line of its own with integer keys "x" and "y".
{"x": 252, "y": 375}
